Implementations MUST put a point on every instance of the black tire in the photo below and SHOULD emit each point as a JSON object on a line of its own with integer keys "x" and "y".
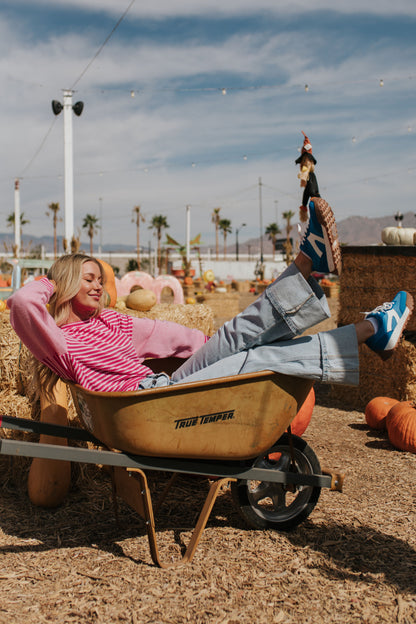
{"x": 268, "y": 505}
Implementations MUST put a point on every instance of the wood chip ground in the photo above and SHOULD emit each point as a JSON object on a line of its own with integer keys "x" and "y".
{"x": 352, "y": 561}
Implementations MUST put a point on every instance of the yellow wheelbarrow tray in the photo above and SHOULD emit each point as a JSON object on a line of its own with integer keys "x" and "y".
{"x": 232, "y": 430}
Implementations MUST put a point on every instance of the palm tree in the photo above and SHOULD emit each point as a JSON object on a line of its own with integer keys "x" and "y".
{"x": 215, "y": 218}
{"x": 53, "y": 210}
{"x": 11, "y": 223}
{"x": 225, "y": 226}
{"x": 288, "y": 216}
{"x": 159, "y": 223}
{"x": 194, "y": 244}
{"x": 137, "y": 218}
{"x": 272, "y": 230}
{"x": 91, "y": 225}
{"x": 11, "y": 219}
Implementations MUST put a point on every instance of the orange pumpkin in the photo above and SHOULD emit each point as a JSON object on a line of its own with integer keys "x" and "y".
{"x": 401, "y": 426}
{"x": 303, "y": 417}
{"x": 49, "y": 480}
{"x": 188, "y": 281}
{"x": 110, "y": 283}
{"x": 301, "y": 421}
{"x": 376, "y": 411}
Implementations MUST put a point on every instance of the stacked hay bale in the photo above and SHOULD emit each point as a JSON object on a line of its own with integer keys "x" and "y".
{"x": 192, "y": 316}
{"x": 17, "y": 393}
{"x": 370, "y": 276}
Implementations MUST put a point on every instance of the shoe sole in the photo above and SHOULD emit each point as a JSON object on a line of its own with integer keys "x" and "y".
{"x": 326, "y": 218}
{"x": 385, "y": 355}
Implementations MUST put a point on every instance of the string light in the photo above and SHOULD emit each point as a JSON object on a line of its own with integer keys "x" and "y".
{"x": 306, "y": 87}
{"x": 381, "y": 82}
{"x": 224, "y": 91}
{"x": 132, "y": 93}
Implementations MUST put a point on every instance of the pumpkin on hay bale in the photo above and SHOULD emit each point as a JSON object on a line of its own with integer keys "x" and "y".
{"x": 110, "y": 283}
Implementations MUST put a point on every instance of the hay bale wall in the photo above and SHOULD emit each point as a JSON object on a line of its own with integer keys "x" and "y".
{"x": 370, "y": 276}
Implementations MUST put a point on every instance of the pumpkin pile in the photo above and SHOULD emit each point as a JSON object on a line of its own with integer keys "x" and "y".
{"x": 398, "y": 417}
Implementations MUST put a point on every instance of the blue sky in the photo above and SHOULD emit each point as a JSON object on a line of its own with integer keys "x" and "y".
{"x": 180, "y": 141}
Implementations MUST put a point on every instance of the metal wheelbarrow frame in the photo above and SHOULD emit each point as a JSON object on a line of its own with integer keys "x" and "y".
{"x": 230, "y": 430}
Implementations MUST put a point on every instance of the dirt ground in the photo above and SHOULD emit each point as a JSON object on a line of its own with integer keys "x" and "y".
{"x": 352, "y": 561}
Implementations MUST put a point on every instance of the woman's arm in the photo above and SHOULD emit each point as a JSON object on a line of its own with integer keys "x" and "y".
{"x": 160, "y": 339}
{"x": 32, "y": 322}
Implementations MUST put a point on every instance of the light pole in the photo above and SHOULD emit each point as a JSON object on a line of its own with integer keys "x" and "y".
{"x": 236, "y": 239}
{"x": 17, "y": 232}
{"x": 67, "y": 107}
{"x": 188, "y": 234}
{"x": 261, "y": 221}
{"x": 100, "y": 248}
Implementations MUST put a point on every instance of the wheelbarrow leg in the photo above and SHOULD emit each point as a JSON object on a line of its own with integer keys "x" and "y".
{"x": 131, "y": 485}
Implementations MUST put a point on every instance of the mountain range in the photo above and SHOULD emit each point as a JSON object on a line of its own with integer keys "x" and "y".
{"x": 356, "y": 230}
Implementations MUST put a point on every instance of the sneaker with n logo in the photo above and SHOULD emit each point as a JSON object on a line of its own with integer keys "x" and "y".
{"x": 320, "y": 242}
{"x": 391, "y": 318}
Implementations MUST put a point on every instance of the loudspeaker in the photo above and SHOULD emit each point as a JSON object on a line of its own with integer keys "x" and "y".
{"x": 56, "y": 107}
{"x": 78, "y": 107}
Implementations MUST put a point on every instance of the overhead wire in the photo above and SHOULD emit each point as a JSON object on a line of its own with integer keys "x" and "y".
{"x": 106, "y": 40}
{"x": 42, "y": 143}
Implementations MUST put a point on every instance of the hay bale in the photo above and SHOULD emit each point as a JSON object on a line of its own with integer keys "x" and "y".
{"x": 192, "y": 316}
{"x": 221, "y": 304}
{"x": 395, "y": 378}
{"x": 241, "y": 287}
{"x": 330, "y": 290}
{"x": 370, "y": 276}
{"x": 16, "y": 362}
{"x": 10, "y": 351}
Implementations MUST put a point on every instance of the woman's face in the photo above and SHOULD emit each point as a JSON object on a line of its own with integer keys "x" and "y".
{"x": 87, "y": 300}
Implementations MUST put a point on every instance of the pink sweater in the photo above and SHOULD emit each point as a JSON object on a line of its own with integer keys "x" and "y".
{"x": 104, "y": 353}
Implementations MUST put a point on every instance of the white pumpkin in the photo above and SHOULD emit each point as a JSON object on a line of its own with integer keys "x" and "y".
{"x": 398, "y": 236}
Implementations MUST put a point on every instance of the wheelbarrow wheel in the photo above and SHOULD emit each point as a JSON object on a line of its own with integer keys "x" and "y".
{"x": 268, "y": 505}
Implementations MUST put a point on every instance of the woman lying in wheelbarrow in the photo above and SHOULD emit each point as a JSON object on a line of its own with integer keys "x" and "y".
{"x": 103, "y": 350}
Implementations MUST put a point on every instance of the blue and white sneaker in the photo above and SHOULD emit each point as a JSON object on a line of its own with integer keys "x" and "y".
{"x": 320, "y": 242}
{"x": 391, "y": 318}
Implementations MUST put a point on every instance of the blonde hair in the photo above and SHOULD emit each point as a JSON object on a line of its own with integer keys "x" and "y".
{"x": 66, "y": 272}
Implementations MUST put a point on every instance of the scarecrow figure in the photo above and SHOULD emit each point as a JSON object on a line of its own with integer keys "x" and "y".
{"x": 307, "y": 177}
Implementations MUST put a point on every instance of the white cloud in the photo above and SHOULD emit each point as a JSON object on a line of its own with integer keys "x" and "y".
{"x": 208, "y": 8}
{"x": 164, "y": 130}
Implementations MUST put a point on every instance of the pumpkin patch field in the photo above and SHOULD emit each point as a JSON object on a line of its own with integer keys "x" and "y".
{"x": 352, "y": 561}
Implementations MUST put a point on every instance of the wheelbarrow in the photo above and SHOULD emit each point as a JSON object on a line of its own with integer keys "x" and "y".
{"x": 232, "y": 430}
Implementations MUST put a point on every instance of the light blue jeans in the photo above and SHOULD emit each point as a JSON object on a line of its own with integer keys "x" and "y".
{"x": 263, "y": 337}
